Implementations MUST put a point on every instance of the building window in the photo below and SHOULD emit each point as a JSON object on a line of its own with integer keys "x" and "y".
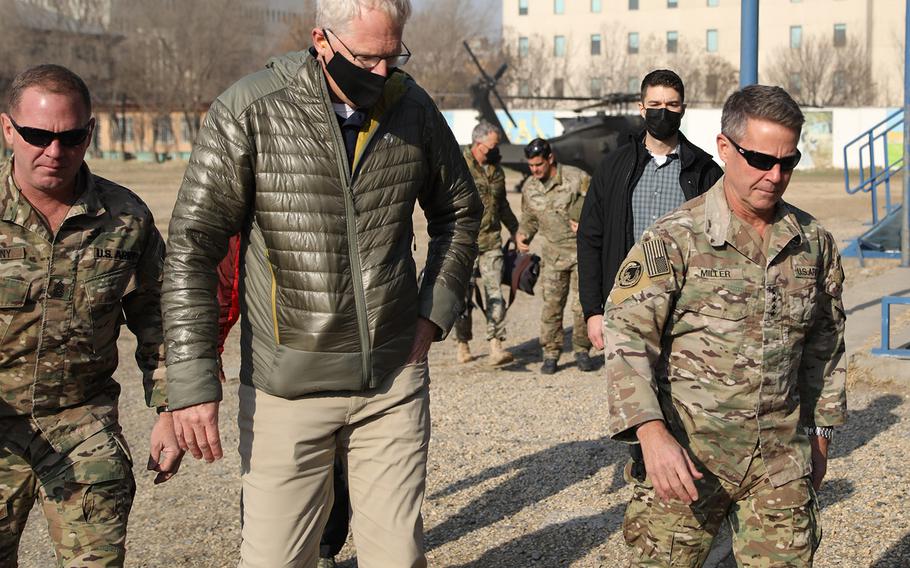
{"x": 711, "y": 41}
{"x": 840, "y": 35}
{"x": 633, "y": 42}
{"x": 595, "y": 6}
{"x": 672, "y": 42}
{"x": 524, "y": 47}
{"x": 633, "y": 84}
{"x": 711, "y": 86}
{"x": 559, "y": 6}
{"x": 186, "y": 130}
{"x": 796, "y": 84}
{"x": 672, "y": 3}
{"x": 840, "y": 83}
{"x": 559, "y": 46}
{"x": 558, "y": 88}
{"x": 713, "y": 3}
{"x": 522, "y": 7}
{"x": 596, "y": 86}
{"x": 633, "y": 4}
{"x": 524, "y": 90}
{"x": 595, "y": 44}
{"x": 796, "y": 37}
{"x": 164, "y": 132}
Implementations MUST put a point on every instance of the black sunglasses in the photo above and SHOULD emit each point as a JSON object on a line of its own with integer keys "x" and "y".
{"x": 44, "y": 138}
{"x": 765, "y": 162}
{"x": 537, "y": 147}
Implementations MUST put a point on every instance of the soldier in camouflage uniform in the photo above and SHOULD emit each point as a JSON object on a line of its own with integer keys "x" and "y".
{"x": 483, "y": 162}
{"x": 78, "y": 254}
{"x": 551, "y": 203}
{"x": 725, "y": 337}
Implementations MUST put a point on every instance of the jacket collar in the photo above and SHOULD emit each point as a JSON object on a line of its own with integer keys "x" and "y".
{"x": 722, "y": 226}
{"x": 17, "y": 209}
{"x": 688, "y": 152}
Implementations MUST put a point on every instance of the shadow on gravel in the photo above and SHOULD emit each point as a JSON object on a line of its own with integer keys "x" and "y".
{"x": 864, "y": 425}
{"x": 898, "y": 556}
{"x": 529, "y": 352}
{"x": 533, "y": 479}
{"x": 548, "y": 546}
{"x": 834, "y": 491}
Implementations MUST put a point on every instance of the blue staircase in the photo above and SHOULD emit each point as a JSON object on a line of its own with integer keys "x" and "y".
{"x": 877, "y": 158}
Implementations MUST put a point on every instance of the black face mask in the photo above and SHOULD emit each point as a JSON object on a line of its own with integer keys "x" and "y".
{"x": 494, "y": 157}
{"x": 359, "y": 85}
{"x": 662, "y": 123}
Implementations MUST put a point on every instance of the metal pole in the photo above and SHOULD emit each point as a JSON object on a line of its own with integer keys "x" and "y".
{"x": 748, "y": 40}
{"x": 905, "y": 225}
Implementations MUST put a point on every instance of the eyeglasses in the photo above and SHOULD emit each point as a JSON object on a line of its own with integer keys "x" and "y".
{"x": 371, "y": 61}
{"x": 765, "y": 162}
{"x": 44, "y": 138}
{"x": 537, "y": 147}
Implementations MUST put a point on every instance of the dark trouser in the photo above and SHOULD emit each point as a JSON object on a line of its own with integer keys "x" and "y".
{"x": 336, "y": 530}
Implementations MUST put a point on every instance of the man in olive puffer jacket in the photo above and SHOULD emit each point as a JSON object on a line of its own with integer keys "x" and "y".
{"x": 317, "y": 162}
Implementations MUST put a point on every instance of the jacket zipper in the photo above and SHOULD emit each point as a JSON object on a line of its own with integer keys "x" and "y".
{"x": 350, "y": 219}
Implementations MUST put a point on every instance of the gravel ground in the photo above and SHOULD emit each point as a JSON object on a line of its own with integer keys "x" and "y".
{"x": 521, "y": 472}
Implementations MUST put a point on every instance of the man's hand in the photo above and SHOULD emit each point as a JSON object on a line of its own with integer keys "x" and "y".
{"x": 596, "y": 330}
{"x": 423, "y": 339}
{"x": 164, "y": 451}
{"x": 197, "y": 431}
{"x": 573, "y": 225}
{"x": 521, "y": 241}
{"x": 819, "y": 459}
{"x": 668, "y": 464}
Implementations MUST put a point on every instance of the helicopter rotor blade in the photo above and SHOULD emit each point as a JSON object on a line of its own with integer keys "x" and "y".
{"x": 500, "y": 72}
{"x": 505, "y": 109}
{"x": 477, "y": 63}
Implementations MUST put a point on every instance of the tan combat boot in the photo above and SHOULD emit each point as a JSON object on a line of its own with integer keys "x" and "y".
{"x": 498, "y": 355}
{"x": 464, "y": 352}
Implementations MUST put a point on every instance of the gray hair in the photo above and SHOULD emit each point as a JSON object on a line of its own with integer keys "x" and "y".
{"x": 484, "y": 129}
{"x": 337, "y": 14}
{"x": 761, "y": 102}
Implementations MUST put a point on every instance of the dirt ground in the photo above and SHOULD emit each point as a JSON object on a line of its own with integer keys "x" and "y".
{"x": 521, "y": 472}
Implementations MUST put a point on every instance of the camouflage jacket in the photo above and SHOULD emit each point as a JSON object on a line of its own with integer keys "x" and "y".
{"x": 731, "y": 346}
{"x": 491, "y": 184}
{"x": 63, "y": 298}
{"x": 548, "y": 206}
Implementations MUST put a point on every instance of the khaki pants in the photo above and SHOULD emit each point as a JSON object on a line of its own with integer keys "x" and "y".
{"x": 287, "y": 450}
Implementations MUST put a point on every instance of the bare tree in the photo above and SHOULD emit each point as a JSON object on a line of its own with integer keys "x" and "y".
{"x": 819, "y": 74}
{"x": 180, "y": 56}
{"x": 299, "y": 31}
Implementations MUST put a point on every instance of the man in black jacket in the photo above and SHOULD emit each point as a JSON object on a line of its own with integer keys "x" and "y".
{"x": 636, "y": 184}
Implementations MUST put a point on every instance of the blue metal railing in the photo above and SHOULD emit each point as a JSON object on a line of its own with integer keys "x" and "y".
{"x": 886, "y": 348}
{"x": 875, "y": 168}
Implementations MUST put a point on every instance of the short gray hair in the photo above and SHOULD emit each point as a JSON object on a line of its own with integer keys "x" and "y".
{"x": 484, "y": 129}
{"x": 761, "y": 102}
{"x": 337, "y": 14}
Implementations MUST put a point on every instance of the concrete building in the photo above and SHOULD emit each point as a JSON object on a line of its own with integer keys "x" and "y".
{"x": 591, "y": 47}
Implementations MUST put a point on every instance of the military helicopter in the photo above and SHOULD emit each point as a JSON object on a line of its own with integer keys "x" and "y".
{"x": 585, "y": 138}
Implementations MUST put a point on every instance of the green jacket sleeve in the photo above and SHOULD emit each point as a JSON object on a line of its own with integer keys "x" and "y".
{"x": 453, "y": 210}
{"x": 505, "y": 210}
{"x": 212, "y": 205}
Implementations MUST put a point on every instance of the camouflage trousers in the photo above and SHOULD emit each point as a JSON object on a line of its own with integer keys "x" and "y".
{"x": 489, "y": 266}
{"x": 559, "y": 275}
{"x": 86, "y": 494}
{"x": 772, "y": 526}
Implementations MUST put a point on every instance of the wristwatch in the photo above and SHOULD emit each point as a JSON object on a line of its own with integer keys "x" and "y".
{"x": 164, "y": 408}
{"x": 826, "y": 432}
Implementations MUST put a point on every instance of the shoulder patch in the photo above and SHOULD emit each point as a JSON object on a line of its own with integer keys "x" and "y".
{"x": 656, "y": 257}
{"x": 629, "y": 274}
